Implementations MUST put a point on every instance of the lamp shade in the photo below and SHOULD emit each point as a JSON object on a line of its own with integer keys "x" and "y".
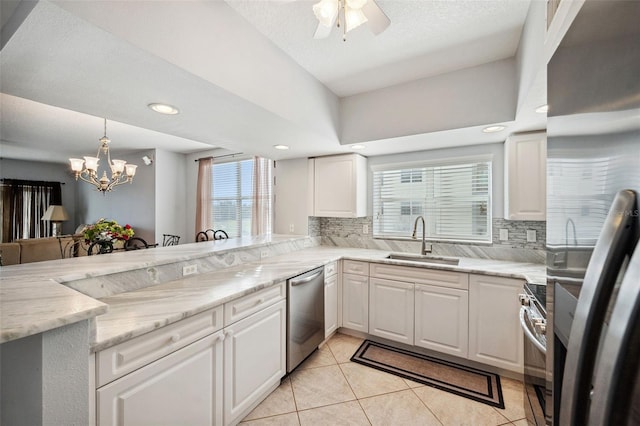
{"x": 55, "y": 214}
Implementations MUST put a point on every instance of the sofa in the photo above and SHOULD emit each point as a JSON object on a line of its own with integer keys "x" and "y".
{"x": 37, "y": 249}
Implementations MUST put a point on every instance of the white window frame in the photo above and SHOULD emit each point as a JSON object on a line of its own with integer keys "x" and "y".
{"x": 429, "y": 202}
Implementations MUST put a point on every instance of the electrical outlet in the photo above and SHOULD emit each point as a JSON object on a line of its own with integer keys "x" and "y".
{"x": 189, "y": 269}
{"x": 504, "y": 235}
{"x": 264, "y": 253}
{"x": 291, "y": 227}
{"x": 531, "y": 236}
{"x": 365, "y": 229}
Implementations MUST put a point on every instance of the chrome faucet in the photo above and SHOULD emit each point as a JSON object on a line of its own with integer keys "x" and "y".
{"x": 423, "y": 248}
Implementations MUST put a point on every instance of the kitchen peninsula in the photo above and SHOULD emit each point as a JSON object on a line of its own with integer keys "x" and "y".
{"x": 102, "y": 301}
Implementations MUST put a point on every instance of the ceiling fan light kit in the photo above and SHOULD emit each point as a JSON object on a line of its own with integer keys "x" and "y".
{"x": 352, "y": 12}
{"x": 87, "y": 169}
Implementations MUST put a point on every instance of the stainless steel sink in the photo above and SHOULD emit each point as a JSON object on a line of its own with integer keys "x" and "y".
{"x": 424, "y": 259}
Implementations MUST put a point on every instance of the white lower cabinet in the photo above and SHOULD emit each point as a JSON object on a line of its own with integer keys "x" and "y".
{"x": 330, "y": 305}
{"x": 391, "y": 310}
{"x": 355, "y": 302}
{"x": 495, "y": 336}
{"x": 184, "y": 387}
{"x": 442, "y": 319}
{"x": 254, "y": 359}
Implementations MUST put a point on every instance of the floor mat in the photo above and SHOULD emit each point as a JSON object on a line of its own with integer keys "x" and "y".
{"x": 458, "y": 379}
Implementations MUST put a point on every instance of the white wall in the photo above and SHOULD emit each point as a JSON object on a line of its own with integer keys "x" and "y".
{"x": 291, "y": 190}
{"x": 132, "y": 204}
{"x": 465, "y": 98}
{"x": 171, "y": 195}
{"x": 54, "y": 172}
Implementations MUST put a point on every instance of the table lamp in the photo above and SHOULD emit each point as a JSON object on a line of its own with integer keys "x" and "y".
{"x": 56, "y": 215}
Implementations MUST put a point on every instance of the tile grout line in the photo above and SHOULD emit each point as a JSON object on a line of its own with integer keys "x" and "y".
{"x": 426, "y": 406}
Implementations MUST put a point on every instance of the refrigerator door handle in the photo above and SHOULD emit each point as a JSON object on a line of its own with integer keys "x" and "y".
{"x": 616, "y": 370}
{"x": 618, "y": 237}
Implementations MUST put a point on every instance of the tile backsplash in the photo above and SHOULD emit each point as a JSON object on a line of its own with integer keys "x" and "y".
{"x": 348, "y": 232}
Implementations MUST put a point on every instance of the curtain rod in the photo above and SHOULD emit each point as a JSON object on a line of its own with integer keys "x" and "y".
{"x": 219, "y": 156}
{"x": 29, "y": 182}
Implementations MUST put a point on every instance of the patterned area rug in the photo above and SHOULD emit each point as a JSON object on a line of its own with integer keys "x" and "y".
{"x": 458, "y": 379}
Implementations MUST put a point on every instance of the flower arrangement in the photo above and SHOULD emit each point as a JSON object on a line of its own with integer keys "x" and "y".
{"x": 107, "y": 230}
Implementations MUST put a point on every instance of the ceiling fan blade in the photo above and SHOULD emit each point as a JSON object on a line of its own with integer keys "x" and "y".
{"x": 378, "y": 20}
{"x": 322, "y": 31}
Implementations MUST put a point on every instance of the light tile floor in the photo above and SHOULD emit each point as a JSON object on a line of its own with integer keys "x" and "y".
{"x": 328, "y": 389}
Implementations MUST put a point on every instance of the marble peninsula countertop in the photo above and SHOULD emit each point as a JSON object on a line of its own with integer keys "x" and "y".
{"x": 34, "y": 299}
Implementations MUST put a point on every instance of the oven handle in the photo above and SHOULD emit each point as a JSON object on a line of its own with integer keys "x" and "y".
{"x": 527, "y": 332}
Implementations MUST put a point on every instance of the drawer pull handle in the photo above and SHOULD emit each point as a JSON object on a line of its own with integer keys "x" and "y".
{"x": 175, "y": 338}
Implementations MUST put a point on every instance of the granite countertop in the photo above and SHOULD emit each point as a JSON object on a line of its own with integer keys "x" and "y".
{"x": 33, "y": 298}
{"x": 137, "y": 312}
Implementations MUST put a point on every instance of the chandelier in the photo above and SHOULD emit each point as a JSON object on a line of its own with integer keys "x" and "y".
{"x": 348, "y": 14}
{"x": 87, "y": 169}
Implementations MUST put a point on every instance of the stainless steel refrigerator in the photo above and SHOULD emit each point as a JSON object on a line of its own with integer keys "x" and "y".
{"x": 593, "y": 181}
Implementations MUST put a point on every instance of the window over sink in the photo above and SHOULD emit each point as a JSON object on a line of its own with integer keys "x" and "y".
{"x": 453, "y": 197}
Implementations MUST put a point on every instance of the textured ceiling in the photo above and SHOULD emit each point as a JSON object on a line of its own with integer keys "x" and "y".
{"x": 245, "y": 74}
{"x": 425, "y": 38}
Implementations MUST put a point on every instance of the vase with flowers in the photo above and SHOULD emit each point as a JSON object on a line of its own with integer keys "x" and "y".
{"x": 105, "y": 233}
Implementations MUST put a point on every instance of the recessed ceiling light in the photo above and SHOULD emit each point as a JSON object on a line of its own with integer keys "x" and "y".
{"x": 493, "y": 129}
{"x": 164, "y": 108}
{"x": 281, "y": 147}
{"x": 357, "y": 146}
{"x": 542, "y": 109}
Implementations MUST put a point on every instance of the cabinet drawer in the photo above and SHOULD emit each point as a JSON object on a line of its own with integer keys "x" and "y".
{"x": 355, "y": 267}
{"x": 330, "y": 269}
{"x": 116, "y": 361}
{"x": 420, "y": 275}
{"x": 247, "y": 305}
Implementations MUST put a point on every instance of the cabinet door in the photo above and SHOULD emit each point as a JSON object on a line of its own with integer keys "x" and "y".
{"x": 391, "y": 310}
{"x": 442, "y": 319}
{"x": 355, "y": 302}
{"x": 330, "y": 305}
{"x": 526, "y": 183}
{"x": 495, "y": 336}
{"x": 340, "y": 186}
{"x": 184, "y": 387}
{"x": 254, "y": 359}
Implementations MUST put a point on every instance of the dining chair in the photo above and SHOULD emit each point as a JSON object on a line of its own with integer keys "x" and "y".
{"x": 170, "y": 240}
{"x": 210, "y": 235}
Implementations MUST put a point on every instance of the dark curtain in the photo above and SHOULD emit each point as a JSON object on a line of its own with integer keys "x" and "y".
{"x": 23, "y": 204}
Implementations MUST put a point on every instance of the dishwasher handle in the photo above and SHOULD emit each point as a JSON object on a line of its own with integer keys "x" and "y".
{"x": 299, "y": 281}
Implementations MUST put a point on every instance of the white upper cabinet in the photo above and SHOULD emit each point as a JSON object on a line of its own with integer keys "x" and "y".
{"x": 340, "y": 186}
{"x": 526, "y": 176}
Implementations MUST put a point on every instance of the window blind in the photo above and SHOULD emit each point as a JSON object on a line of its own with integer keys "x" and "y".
{"x": 233, "y": 196}
{"x": 454, "y": 200}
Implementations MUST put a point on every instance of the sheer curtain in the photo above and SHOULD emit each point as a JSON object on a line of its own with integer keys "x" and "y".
{"x": 23, "y": 202}
{"x": 204, "y": 195}
{"x": 262, "y": 201}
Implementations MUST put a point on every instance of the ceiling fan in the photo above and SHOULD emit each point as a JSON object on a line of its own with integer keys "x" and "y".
{"x": 348, "y": 14}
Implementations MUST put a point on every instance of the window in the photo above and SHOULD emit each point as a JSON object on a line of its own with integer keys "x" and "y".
{"x": 454, "y": 200}
{"x": 235, "y": 195}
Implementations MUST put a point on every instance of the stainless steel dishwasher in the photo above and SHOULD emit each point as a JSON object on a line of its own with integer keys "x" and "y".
{"x": 305, "y": 316}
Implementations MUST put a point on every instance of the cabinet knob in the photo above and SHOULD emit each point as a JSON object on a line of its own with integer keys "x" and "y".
{"x": 260, "y": 301}
{"x": 174, "y": 338}
{"x": 229, "y": 333}
{"x": 220, "y": 338}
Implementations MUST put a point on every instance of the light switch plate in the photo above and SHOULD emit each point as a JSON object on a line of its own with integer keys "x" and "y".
{"x": 504, "y": 234}
{"x": 531, "y": 236}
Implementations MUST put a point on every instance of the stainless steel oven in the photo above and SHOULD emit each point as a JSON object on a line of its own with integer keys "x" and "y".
{"x": 533, "y": 320}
